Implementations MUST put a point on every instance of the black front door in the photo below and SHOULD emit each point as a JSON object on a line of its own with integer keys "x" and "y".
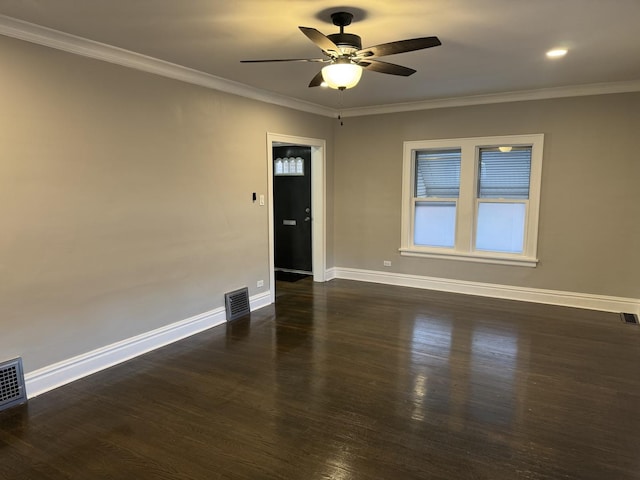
{"x": 292, "y": 208}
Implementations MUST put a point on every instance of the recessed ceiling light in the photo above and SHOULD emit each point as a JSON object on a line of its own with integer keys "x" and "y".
{"x": 557, "y": 53}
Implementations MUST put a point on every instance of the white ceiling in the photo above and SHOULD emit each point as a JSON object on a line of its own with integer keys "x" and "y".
{"x": 488, "y": 46}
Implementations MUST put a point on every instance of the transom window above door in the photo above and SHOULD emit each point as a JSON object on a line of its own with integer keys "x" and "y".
{"x": 288, "y": 166}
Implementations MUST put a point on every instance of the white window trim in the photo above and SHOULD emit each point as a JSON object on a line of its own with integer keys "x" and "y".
{"x": 468, "y": 203}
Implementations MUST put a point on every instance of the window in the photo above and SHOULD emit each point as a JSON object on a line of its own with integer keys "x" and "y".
{"x": 503, "y": 192}
{"x": 437, "y": 187}
{"x": 289, "y": 166}
{"x": 472, "y": 199}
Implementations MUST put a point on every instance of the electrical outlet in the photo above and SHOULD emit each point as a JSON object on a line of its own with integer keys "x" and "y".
{"x": 387, "y": 263}
{"x": 260, "y": 283}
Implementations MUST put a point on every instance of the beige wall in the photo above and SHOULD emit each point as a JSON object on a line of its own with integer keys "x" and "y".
{"x": 125, "y": 200}
{"x": 589, "y": 236}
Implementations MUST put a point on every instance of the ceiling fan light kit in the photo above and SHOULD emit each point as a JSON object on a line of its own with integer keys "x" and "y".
{"x": 347, "y": 59}
{"x": 342, "y": 75}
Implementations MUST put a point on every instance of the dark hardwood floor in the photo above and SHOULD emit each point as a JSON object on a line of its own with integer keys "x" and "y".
{"x": 348, "y": 380}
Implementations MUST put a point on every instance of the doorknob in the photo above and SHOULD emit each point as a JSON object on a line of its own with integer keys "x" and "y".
{"x": 307, "y": 219}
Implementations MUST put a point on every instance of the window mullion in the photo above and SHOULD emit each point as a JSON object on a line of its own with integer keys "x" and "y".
{"x": 466, "y": 201}
{"x": 414, "y": 201}
{"x": 526, "y": 247}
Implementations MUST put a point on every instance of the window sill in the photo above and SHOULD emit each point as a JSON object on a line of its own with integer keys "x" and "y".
{"x": 472, "y": 257}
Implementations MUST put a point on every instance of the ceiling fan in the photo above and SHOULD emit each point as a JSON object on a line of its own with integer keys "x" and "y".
{"x": 346, "y": 58}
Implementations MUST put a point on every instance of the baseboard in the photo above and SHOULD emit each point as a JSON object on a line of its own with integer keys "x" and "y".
{"x": 66, "y": 371}
{"x": 535, "y": 295}
{"x": 329, "y": 274}
{"x": 260, "y": 300}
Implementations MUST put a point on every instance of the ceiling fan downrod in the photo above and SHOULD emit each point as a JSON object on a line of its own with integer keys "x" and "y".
{"x": 348, "y": 42}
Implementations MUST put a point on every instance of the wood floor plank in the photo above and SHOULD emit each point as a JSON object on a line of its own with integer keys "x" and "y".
{"x": 348, "y": 380}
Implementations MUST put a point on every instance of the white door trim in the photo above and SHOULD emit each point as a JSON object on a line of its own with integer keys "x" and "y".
{"x": 318, "y": 203}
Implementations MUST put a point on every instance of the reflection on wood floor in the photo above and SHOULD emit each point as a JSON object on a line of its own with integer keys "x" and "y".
{"x": 348, "y": 380}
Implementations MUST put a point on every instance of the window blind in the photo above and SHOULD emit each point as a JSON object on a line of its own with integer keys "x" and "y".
{"x": 504, "y": 174}
{"x": 437, "y": 173}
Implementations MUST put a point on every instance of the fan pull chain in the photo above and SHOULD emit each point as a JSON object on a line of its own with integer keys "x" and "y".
{"x": 340, "y": 107}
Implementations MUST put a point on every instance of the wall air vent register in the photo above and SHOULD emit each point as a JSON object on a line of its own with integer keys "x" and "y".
{"x": 12, "y": 389}
{"x": 237, "y": 303}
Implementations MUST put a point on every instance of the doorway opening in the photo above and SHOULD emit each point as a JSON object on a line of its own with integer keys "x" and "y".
{"x": 292, "y": 212}
{"x": 296, "y": 221}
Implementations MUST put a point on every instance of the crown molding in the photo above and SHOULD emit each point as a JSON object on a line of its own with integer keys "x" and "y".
{"x": 48, "y": 37}
{"x": 517, "y": 96}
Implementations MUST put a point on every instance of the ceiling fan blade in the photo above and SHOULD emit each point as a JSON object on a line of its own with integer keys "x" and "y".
{"x": 320, "y": 39}
{"x": 400, "y": 46}
{"x": 287, "y": 60}
{"x": 385, "y": 67}
{"x": 317, "y": 80}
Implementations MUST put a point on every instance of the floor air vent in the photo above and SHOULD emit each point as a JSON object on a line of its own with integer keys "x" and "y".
{"x": 12, "y": 391}
{"x": 237, "y": 303}
{"x": 629, "y": 318}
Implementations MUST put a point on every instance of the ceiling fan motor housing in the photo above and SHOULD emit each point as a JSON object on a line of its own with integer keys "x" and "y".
{"x": 348, "y": 42}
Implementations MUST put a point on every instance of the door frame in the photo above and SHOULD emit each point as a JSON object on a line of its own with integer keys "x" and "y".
{"x": 318, "y": 203}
